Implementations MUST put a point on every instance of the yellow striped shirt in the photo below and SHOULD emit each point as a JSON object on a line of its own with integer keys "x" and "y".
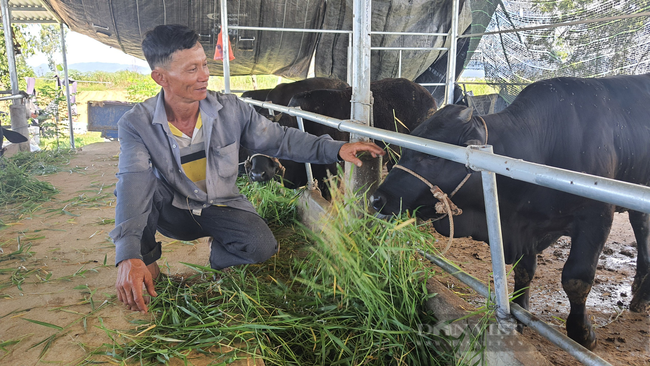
{"x": 192, "y": 150}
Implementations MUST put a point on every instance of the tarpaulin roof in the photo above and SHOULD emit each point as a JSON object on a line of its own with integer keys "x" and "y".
{"x": 122, "y": 24}
{"x": 32, "y": 11}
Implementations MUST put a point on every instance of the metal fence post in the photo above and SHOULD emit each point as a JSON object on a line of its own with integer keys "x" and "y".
{"x": 451, "y": 53}
{"x": 11, "y": 56}
{"x": 368, "y": 175}
{"x": 311, "y": 184}
{"x": 17, "y": 110}
{"x": 67, "y": 86}
{"x": 399, "y": 65}
{"x": 225, "y": 39}
{"x": 496, "y": 244}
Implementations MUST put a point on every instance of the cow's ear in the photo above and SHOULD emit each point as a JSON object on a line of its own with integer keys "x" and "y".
{"x": 277, "y": 117}
{"x": 13, "y": 136}
{"x": 465, "y": 115}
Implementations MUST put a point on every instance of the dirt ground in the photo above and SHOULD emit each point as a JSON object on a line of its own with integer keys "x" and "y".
{"x": 66, "y": 277}
{"x": 623, "y": 336}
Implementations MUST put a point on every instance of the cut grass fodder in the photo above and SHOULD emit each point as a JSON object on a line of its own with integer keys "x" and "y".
{"x": 97, "y": 196}
{"x": 353, "y": 293}
{"x": 17, "y": 186}
{"x": 42, "y": 162}
{"x": 17, "y": 183}
{"x": 273, "y": 202}
{"x": 61, "y": 331}
{"x": 6, "y": 347}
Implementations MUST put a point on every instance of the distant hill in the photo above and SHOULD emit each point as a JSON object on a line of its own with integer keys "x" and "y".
{"x": 96, "y": 66}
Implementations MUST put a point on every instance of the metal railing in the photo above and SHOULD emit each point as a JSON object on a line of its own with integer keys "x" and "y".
{"x": 451, "y": 65}
{"x": 480, "y": 158}
{"x": 624, "y": 194}
{"x": 13, "y": 97}
{"x": 376, "y": 48}
{"x": 523, "y": 315}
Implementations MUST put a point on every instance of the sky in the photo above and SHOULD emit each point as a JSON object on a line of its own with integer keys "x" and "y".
{"x": 81, "y": 48}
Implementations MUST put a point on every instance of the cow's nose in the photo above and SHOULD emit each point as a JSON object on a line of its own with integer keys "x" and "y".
{"x": 377, "y": 201}
{"x": 257, "y": 176}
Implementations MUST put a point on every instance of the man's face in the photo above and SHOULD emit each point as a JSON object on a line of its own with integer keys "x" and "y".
{"x": 187, "y": 74}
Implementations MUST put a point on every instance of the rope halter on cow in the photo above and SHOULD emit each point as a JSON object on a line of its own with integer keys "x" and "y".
{"x": 445, "y": 206}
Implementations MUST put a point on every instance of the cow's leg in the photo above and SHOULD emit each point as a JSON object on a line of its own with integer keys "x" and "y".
{"x": 587, "y": 240}
{"x": 641, "y": 286}
{"x": 524, "y": 273}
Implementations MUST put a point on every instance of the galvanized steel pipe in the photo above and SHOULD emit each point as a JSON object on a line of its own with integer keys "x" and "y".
{"x": 410, "y": 33}
{"x": 572, "y": 347}
{"x": 410, "y": 48}
{"x": 310, "y": 174}
{"x": 225, "y": 42}
{"x": 9, "y": 44}
{"x": 632, "y": 196}
{"x": 17, "y": 96}
{"x": 491, "y": 198}
{"x": 367, "y": 175}
{"x": 297, "y": 30}
{"x": 67, "y": 86}
{"x": 360, "y": 102}
{"x": 451, "y": 53}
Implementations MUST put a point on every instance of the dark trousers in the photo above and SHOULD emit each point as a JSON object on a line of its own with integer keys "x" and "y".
{"x": 238, "y": 236}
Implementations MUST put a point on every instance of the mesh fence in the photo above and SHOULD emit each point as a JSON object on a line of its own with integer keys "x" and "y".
{"x": 603, "y": 48}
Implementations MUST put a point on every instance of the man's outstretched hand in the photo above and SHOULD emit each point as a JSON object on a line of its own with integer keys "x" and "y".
{"x": 349, "y": 151}
{"x": 131, "y": 274}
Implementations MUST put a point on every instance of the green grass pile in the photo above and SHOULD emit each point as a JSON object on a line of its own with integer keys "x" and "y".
{"x": 42, "y": 162}
{"x": 17, "y": 186}
{"x": 352, "y": 294}
{"x": 276, "y": 204}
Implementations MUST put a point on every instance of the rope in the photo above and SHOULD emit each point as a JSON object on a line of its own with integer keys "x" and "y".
{"x": 460, "y": 185}
{"x": 445, "y": 206}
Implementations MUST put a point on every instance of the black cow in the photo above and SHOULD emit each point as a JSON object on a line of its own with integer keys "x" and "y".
{"x": 405, "y": 100}
{"x": 12, "y": 136}
{"x": 596, "y": 126}
{"x": 259, "y": 94}
{"x": 281, "y": 94}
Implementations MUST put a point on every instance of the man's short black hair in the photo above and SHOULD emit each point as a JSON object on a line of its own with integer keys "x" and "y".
{"x": 160, "y": 42}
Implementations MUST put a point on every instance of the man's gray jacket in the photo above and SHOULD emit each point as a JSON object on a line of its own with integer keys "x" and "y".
{"x": 148, "y": 152}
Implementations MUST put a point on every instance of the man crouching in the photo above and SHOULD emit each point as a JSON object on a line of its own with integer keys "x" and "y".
{"x": 178, "y": 166}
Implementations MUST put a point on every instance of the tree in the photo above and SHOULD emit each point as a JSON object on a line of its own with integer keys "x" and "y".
{"x": 24, "y": 45}
{"x": 50, "y": 43}
{"x": 594, "y": 49}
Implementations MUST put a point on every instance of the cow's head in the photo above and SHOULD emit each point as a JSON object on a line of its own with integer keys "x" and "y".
{"x": 263, "y": 168}
{"x": 402, "y": 190}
